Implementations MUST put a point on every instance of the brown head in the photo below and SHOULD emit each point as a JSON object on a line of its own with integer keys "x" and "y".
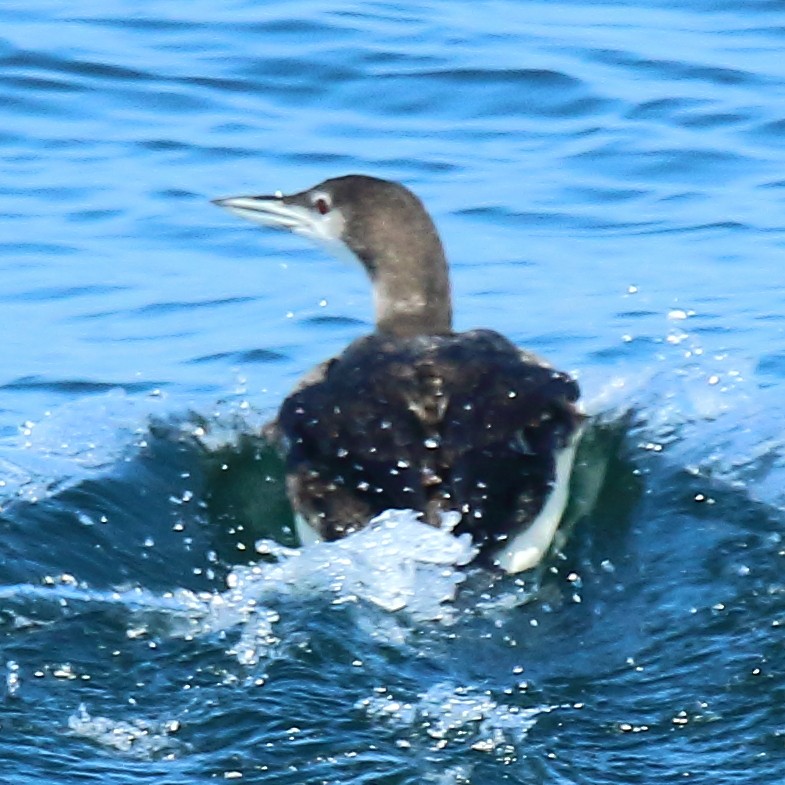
{"x": 386, "y": 228}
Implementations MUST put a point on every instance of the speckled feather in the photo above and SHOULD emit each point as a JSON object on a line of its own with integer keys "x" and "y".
{"x": 463, "y": 422}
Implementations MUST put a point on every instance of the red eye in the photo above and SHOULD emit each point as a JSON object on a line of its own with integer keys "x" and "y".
{"x": 322, "y": 205}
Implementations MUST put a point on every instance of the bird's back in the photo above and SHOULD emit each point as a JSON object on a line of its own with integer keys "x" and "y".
{"x": 463, "y": 422}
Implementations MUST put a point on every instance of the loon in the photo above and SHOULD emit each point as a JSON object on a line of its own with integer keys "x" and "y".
{"x": 416, "y": 416}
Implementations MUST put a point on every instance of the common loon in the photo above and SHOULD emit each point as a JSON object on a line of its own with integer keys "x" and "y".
{"x": 414, "y": 415}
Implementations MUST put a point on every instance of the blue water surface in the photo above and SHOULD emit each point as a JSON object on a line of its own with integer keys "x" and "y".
{"x": 609, "y": 181}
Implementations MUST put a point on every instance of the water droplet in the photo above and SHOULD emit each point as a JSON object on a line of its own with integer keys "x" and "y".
{"x": 12, "y": 677}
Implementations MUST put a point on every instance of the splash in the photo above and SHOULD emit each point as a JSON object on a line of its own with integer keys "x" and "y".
{"x": 140, "y": 739}
{"x": 408, "y": 569}
{"x": 447, "y": 715}
{"x": 78, "y": 440}
{"x": 397, "y": 563}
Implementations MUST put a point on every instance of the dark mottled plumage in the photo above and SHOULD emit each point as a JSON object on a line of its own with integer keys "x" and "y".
{"x": 454, "y": 422}
{"x": 415, "y": 416}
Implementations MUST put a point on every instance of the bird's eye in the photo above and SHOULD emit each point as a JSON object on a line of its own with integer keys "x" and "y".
{"x": 322, "y": 206}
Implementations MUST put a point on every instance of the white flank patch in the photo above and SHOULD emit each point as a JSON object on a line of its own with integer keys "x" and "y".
{"x": 527, "y": 548}
{"x": 305, "y": 532}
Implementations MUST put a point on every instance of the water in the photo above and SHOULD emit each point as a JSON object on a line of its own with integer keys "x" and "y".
{"x": 608, "y": 179}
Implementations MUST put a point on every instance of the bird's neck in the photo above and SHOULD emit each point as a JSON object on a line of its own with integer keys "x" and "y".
{"x": 413, "y": 298}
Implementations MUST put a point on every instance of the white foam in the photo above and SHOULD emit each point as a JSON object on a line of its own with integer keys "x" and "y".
{"x": 141, "y": 739}
{"x": 397, "y": 563}
{"x": 73, "y": 442}
{"x": 456, "y": 715}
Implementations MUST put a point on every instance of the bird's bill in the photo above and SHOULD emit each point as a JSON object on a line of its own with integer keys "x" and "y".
{"x": 291, "y": 213}
{"x": 270, "y": 211}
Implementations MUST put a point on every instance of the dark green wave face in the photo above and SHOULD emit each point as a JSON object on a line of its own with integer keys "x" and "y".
{"x": 607, "y": 181}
